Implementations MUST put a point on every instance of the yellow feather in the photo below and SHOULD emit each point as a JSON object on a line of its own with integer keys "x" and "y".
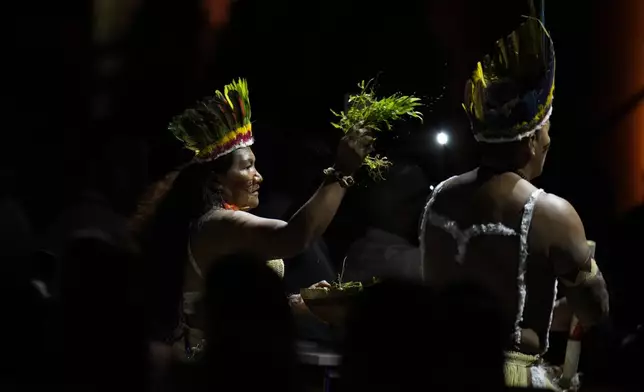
{"x": 479, "y": 75}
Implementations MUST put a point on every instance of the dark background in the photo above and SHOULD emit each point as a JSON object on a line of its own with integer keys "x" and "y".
{"x": 301, "y": 58}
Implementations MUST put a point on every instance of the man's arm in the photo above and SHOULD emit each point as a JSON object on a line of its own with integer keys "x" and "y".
{"x": 574, "y": 266}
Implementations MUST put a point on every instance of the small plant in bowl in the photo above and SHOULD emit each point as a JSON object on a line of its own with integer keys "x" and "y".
{"x": 332, "y": 304}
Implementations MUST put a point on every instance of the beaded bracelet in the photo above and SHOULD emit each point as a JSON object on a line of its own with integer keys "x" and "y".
{"x": 344, "y": 181}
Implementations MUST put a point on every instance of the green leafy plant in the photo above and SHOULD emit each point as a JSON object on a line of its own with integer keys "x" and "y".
{"x": 366, "y": 111}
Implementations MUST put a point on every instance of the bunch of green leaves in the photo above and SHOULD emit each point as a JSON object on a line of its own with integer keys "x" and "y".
{"x": 366, "y": 111}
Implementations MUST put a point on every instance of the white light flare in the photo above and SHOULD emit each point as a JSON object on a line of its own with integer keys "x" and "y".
{"x": 442, "y": 138}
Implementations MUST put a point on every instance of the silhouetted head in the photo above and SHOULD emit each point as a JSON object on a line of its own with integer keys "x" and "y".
{"x": 243, "y": 292}
{"x": 250, "y": 329}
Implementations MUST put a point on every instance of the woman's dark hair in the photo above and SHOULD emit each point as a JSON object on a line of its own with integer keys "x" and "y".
{"x": 162, "y": 225}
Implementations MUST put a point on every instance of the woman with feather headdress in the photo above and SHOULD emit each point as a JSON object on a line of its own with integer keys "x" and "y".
{"x": 493, "y": 227}
{"x": 201, "y": 212}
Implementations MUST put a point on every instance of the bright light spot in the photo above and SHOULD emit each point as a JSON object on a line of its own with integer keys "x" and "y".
{"x": 442, "y": 138}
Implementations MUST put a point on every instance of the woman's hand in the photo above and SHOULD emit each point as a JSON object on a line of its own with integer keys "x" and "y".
{"x": 297, "y": 303}
{"x": 298, "y": 307}
{"x": 352, "y": 150}
{"x": 320, "y": 284}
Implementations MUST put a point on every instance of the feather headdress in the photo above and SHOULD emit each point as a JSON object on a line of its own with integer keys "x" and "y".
{"x": 510, "y": 93}
{"x": 216, "y": 125}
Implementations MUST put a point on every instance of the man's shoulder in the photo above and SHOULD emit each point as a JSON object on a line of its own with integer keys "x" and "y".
{"x": 453, "y": 184}
{"x": 461, "y": 179}
{"x": 556, "y": 219}
{"x": 553, "y": 206}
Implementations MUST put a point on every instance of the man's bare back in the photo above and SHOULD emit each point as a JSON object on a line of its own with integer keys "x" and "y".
{"x": 473, "y": 231}
{"x": 493, "y": 227}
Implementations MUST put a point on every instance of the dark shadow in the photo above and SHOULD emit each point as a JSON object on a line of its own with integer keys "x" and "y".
{"x": 102, "y": 331}
{"x": 391, "y": 209}
{"x": 404, "y": 337}
{"x": 621, "y": 112}
{"x": 250, "y": 334}
{"x": 25, "y": 308}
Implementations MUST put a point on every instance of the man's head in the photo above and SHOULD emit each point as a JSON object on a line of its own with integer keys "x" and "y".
{"x": 510, "y": 95}
{"x": 527, "y": 155}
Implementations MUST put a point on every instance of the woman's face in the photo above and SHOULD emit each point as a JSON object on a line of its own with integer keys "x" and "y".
{"x": 240, "y": 184}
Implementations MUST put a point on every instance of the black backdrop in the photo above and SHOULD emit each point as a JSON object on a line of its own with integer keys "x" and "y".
{"x": 300, "y": 58}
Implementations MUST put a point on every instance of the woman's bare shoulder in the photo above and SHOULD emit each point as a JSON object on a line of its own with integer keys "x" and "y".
{"x": 229, "y": 219}
{"x": 232, "y": 231}
{"x": 214, "y": 216}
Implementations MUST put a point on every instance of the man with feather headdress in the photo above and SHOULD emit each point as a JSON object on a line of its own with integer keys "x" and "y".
{"x": 493, "y": 227}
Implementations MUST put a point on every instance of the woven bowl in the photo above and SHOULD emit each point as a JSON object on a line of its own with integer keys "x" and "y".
{"x": 330, "y": 306}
